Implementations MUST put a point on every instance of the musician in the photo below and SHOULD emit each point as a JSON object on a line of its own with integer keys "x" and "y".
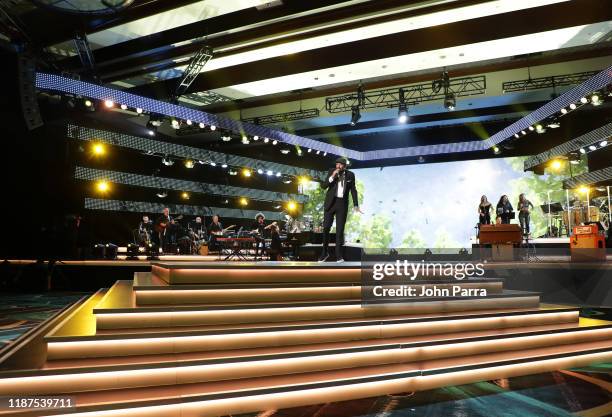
{"x": 484, "y": 211}
{"x": 161, "y": 226}
{"x": 340, "y": 183}
{"x": 258, "y": 230}
{"x": 523, "y": 208}
{"x": 504, "y": 209}
{"x": 145, "y": 230}
{"x": 198, "y": 228}
{"x": 214, "y": 229}
{"x": 275, "y": 250}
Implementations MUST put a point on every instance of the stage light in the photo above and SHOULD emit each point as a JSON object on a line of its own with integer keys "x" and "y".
{"x": 564, "y": 111}
{"x": 245, "y": 140}
{"x": 592, "y": 147}
{"x": 278, "y": 174}
{"x": 583, "y": 189}
{"x": 185, "y": 195}
{"x": 421, "y": 159}
{"x": 299, "y": 152}
{"x": 291, "y": 206}
{"x": 202, "y": 126}
{"x": 88, "y": 103}
{"x": 523, "y": 132}
{"x": 324, "y": 153}
{"x": 284, "y": 151}
{"x": 495, "y": 150}
{"x": 226, "y": 138}
{"x": 167, "y": 161}
{"x": 540, "y": 129}
{"x": 556, "y": 164}
{"x": 132, "y": 252}
{"x": 516, "y": 135}
{"x": 162, "y": 194}
{"x": 189, "y": 163}
{"x": 266, "y": 140}
{"x": 223, "y": 165}
{"x": 175, "y": 124}
{"x": 243, "y": 201}
{"x": 138, "y": 110}
{"x": 596, "y": 99}
{"x": 531, "y": 128}
{"x": 584, "y": 100}
{"x": 260, "y": 171}
{"x": 318, "y": 152}
{"x": 189, "y": 122}
{"x": 309, "y": 150}
{"x": 269, "y": 172}
{"x": 213, "y": 164}
{"x": 287, "y": 181}
{"x": 355, "y": 115}
{"x": 151, "y": 132}
{"x": 98, "y": 149}
{"x": 582, "y": 150}
{"x": 255, "y": 137}
{"x": 449, "y": 101}
{"x": 246, "y": 172}
{"x": 102, "y": 186}
{"x": 274, "y": 142}
{"x": 233, "y": 172}
{"x": 572, "y": 106}
{"x": 303, "y": 180}
{"x": 109, "y": 103}
{"x": 213, "y": 127}
{"x": 603, "y": 143}
{"x": 123, "y": 107}
{"x": 554, "y": 125}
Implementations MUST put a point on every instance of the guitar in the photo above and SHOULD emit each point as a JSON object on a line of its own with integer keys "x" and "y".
{"x": 161, "y": 227}
{"x": 222, "y": 232}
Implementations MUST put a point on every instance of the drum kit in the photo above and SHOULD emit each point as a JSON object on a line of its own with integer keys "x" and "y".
{"x": 564, "y": 218}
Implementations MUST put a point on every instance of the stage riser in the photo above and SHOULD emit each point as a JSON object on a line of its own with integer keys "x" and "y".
{"x": 40, "y": 385}
{"x": 176, "y": 296}
{"x": 131, "y": 320}
{"x": 168, "y": 344}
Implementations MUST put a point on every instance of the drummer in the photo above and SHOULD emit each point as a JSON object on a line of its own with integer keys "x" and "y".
{"x": 198, "y": 228}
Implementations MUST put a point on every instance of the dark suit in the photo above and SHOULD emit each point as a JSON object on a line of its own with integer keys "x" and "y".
{"x": 337, "y": 207}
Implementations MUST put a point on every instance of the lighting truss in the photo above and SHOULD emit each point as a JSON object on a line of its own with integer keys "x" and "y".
{"x": 187, "y": 210}
{"x": 413, "y": 94}
{"x": 148, "y": 181}
{"x": 81, "y": 44}
{"x": 283, "y": 117}
{"x": 197, "y": 62}
{"x": 600, "y": 176}
{"x": 148, "y": 145}
{"x": 592, "y": 137}
{"x": 547, "y": 82}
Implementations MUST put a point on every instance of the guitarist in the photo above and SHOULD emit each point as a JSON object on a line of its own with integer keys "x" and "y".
{"x": 161, "y": 229}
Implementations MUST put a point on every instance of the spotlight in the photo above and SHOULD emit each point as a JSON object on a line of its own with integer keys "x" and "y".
{"x": 291, "y": 206}
{"x": 516, "y": 135}
{"x": 402, "y": 111}
{"x": 213, "y": 127}
{"x": 226, "y": 138}
{"x": 232, "y": 172}
{"x": 596, "y": 99}
{"x": 572, "y": 106}
{"x": 98, "y": 149}
{"x": 102, "y": 186}
{"x": 309, "y": 150}
{"x": 269, "y": 172}
{"x": 539, "y": 128}
{"x": 175, "y": 124}
{"x": 584, "y": 100}
{"x": 523, "y": 132}
{"x": 138, "y": 110}
{"x": 245, "y": 140}
{"x": 246, "y": 172}
{"x": 132, "y": 252}
{"x": 223, "y": 165}
{"x": 324, "y": 153}
{"x": 582, "y": 151}
{"x": 201, "y": 125}
{"x": 189, "y": 163}
{"x": 603, "y": 143}
{"x": 299, "y": 152}
{"x": 287, "y": 181}
{"x": 284, "y": 151}
{"x": 167, "y": 161}
{"x": 260, "y": 171}
{"x": 151, "y": 132}
{"x": 185, "y": 195}
{"x": 421, "y": 159}
{"x": 592, "y": 147}
{"x": 355, "y": 115}
{"x": 303, "y": 180}
{"x": 583, "y": 189}
{"x": 189, "y": 122}
{"x": 496, "y": 150}
{"x": 318, "y": 152}
{"x": 278, "y": 174}
{"x": 213, "y": 164}
{"x": 266, "y": 140}
{"x": 574, "y": 162}
{"x": 152, "y": 252}
{"x": 123, "y": 107}
{"x": 554, "y": 125}
{"x": 556, "y": 164}
{"x": 162, "y": 194}
{"x": 564, "y": 111}
{"x": 256, "y": 138}
{"x": 243, "y": 201}
{"x": 274, "y": 142}
{"x": 531, "y": 128}
{"x": 88, "y": 103}
{"x": 449, "y": 101}
{"x": 109, "y": 103}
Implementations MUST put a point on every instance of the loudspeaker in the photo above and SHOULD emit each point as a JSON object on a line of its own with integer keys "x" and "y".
{"x": 26, "y": 69}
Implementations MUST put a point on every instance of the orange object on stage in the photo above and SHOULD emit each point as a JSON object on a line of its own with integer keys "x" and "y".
{"x": 588, "y": 243}
{"x": 500, "y": 234}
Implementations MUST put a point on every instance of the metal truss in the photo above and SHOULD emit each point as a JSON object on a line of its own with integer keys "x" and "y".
{"x": 81, "y": 44}
{"x": 601, "y": 176}
{"x": 187, "y": 210}
{"x": 283, "y": 117}
{"x": 547, "y": 82}
{"x": 413, "y": 94}
{"x": 197, "y": 62}
{"x": 150, "y": 181}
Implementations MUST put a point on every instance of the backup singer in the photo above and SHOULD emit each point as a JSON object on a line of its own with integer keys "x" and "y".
{"x": 340, "y": 182}
{"x": 523, "y": 208}
{"x": 504, "y": 210}
{"x": 484, "y": 211}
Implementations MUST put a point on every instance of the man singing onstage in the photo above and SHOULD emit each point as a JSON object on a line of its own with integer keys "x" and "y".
{"x": 339, "y": 183}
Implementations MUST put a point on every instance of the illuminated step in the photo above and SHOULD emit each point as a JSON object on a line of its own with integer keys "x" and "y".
{"x": 167, "y": 341}
{"x": 283, "y": 391}
{"x": 150, "y": 290}
{"x": 126, "y": 375}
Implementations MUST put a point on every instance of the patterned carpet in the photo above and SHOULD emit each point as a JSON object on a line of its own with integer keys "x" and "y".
{"x": 584, "y": 392}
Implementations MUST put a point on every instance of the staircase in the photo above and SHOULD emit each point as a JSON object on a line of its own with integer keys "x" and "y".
{"x": 207, "y": 339}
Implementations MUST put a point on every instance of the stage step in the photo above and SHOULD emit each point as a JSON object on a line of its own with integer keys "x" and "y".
{"x": 252, "y": 394}
{"x": 150, "y": 290}
{"x": 125, "y": 343}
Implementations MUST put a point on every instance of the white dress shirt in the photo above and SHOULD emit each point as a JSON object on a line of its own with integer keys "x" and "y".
{"x": 340, "y": 186}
